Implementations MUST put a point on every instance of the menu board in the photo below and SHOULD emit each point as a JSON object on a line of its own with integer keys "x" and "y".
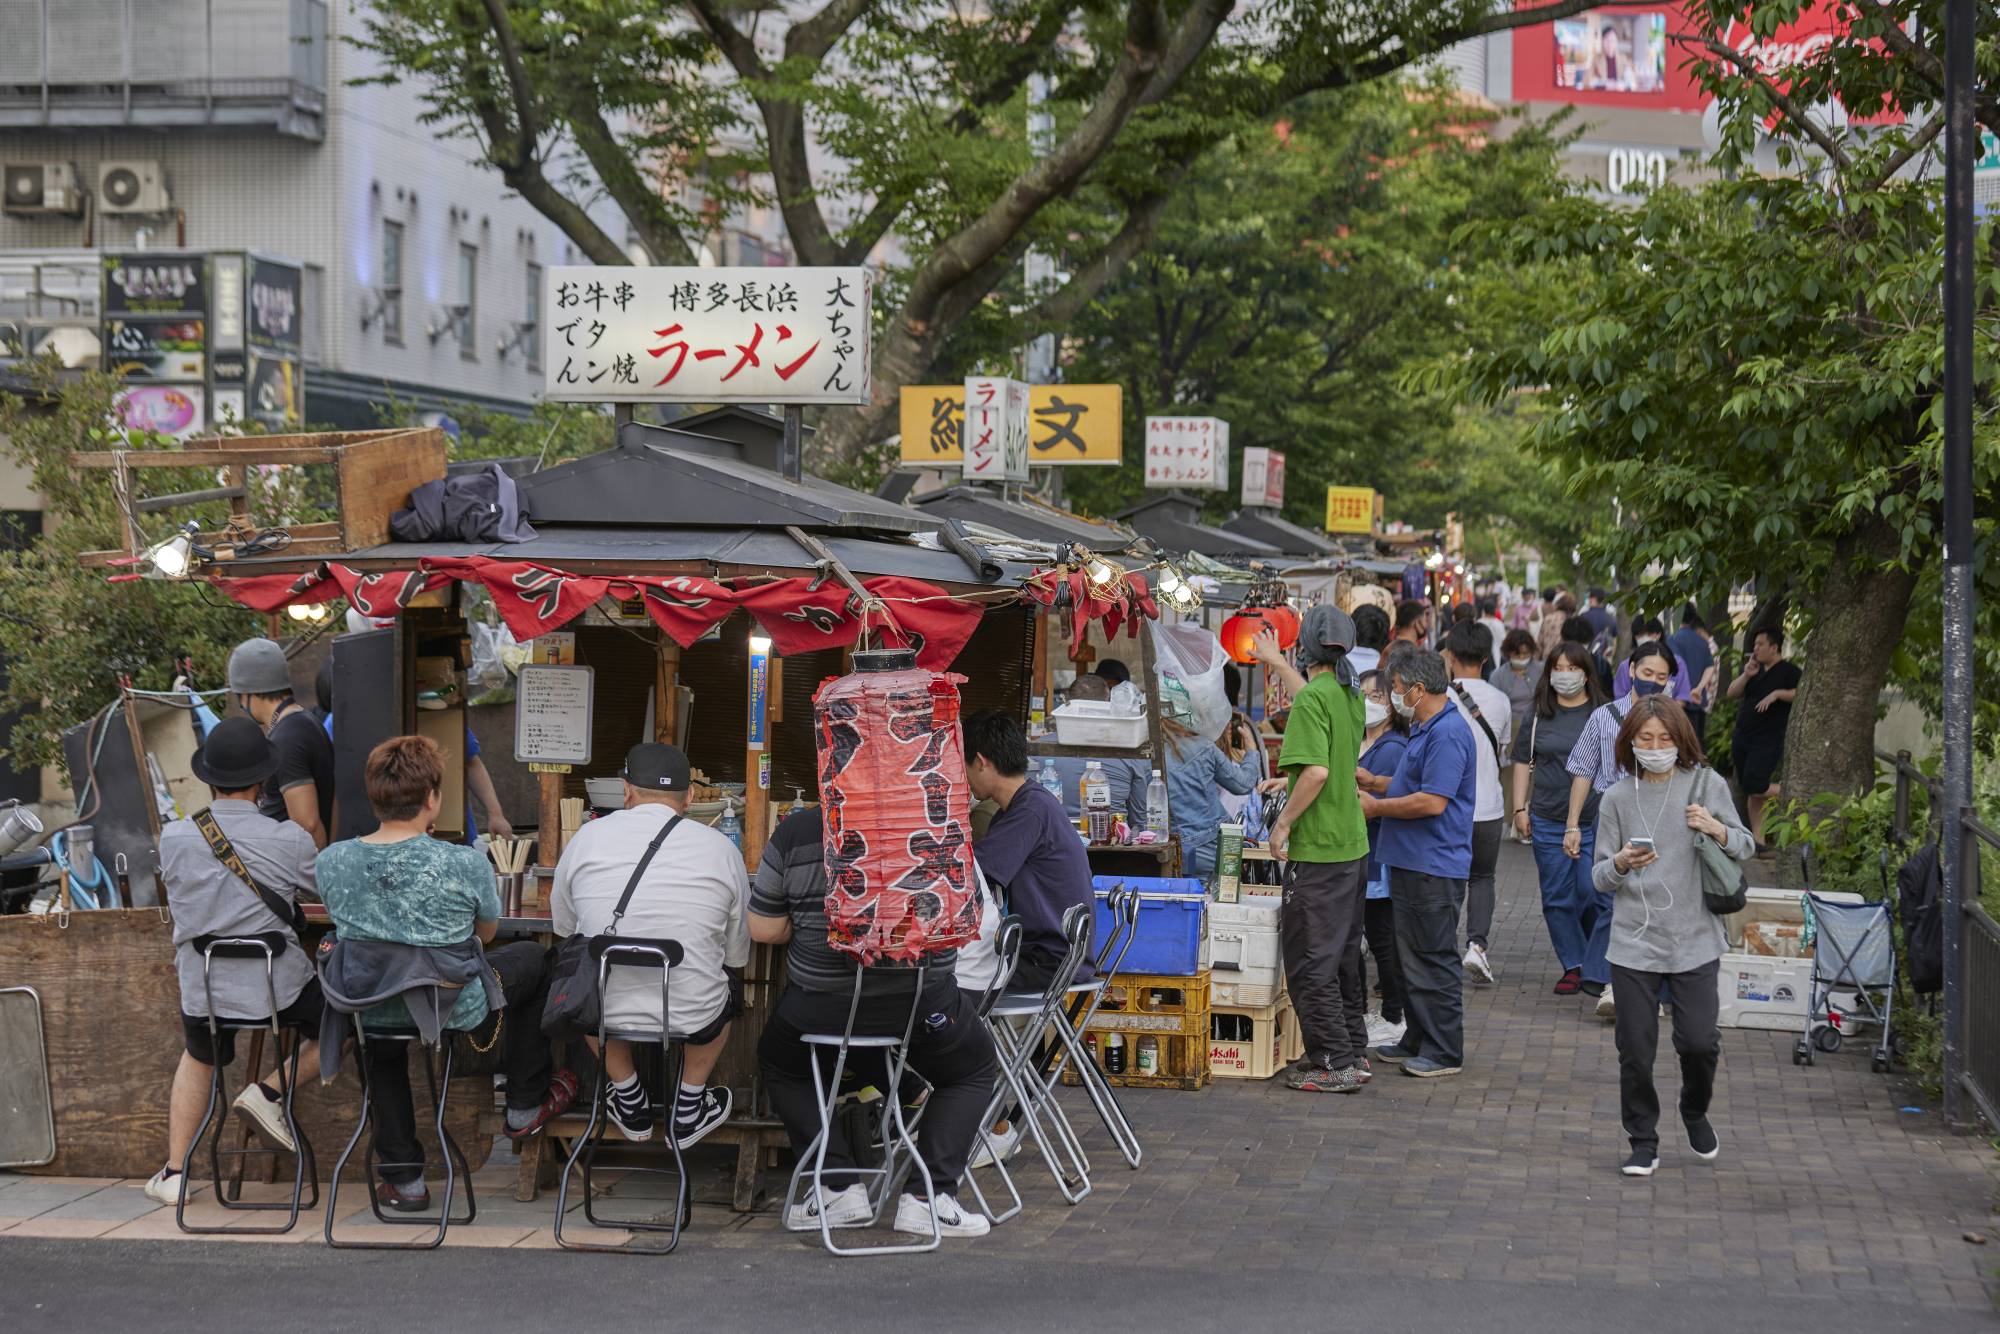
{"x": 552, "y": 714}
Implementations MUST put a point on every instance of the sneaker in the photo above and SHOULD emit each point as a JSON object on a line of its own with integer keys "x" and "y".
{"x": 1383, "y": 1033}
{"x": 996, "y": 1145}
{"x": 164, "y": 1188}
{"x": 1703, "y": 1139}
{"x": 1423, "y": 1067}
{"x": 1607, "y": 1010}
{"x": 1366, "y": 1070}
{"x": 1666, "y": 1011}
{"x": 914, "y": 1217}
{"x": 634, "y": 1123}
{"x": 411, "y": 1198}
{"x": 268, "y": 1116}
{"x": 562, "y": 1092}
{"x": 1319, "y": 1079}
{"x": 1393, "y": 1054}
{"x": 844, "y": 1208}
{"x": 1642, "y": 1163}
{"x": 712, "y": 1111}
{"x": 1570, "y": 982}
{"x": 1476, "y": 965}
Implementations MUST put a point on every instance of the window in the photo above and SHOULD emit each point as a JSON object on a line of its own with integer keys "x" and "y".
{"x": 468, "y": 293}
{"x": 531, "y": 323}
{"x": 392, "y": 281}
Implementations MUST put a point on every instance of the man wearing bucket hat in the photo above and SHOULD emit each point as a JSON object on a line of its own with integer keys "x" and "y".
{"x": 300, "y": 787}
{"x": 1324, "y": 842}
{"x": 209, "y": 898}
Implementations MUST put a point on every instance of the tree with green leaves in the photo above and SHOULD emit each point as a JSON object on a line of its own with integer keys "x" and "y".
{"x": 893, "y": 131}
{"x": 1753, "y": 369}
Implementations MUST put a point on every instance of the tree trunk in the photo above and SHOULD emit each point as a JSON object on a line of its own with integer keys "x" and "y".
{"x": 1858, "y": 617}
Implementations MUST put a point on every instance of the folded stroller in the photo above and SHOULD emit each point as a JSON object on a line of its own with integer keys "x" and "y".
{"x": 1853, "y": 977}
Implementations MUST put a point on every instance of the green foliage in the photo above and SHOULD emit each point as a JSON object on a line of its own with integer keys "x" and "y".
{"x": 1848, "y": 837}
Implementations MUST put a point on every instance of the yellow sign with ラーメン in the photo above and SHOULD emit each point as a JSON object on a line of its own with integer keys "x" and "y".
{"x": 1068, "y": 424}
{"x": 1350, "y": 509}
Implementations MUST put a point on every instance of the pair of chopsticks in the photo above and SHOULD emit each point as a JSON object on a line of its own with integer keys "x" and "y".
{"x": 510, "y": 855}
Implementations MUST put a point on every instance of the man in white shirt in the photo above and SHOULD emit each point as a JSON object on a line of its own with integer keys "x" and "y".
{"x": 693, "y": 890}
{"x": 1489, "y": 616}
{"x": 1467, "y": 649}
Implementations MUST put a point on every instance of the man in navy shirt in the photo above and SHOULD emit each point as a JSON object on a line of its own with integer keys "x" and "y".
{"x": 1426, "y": 844}
{"x": 1691, "y": 648}
{"x": 1031, "y": 852}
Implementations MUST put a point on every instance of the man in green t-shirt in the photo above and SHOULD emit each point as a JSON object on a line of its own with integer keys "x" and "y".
{"x": 1324, "y": 842}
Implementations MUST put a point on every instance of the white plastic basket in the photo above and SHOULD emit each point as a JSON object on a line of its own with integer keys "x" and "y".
{"x": 1087, "y": 722}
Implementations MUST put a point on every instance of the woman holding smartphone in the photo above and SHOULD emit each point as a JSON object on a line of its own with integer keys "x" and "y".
{"x": 1662, "y": 933}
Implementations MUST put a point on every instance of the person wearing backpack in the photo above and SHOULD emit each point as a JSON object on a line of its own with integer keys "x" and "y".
{"x": 1664, "y": 933}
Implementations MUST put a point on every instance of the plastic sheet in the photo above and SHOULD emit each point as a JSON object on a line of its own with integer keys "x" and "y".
{"x": 1195, "y": 658}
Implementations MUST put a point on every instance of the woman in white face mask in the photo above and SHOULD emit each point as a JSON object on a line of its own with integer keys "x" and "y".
{"x": 1662, "y": 934}
{"x": 1517, "y": 677}
{"x": 1566, "y": 694}
{"x": 1382, "y": 747}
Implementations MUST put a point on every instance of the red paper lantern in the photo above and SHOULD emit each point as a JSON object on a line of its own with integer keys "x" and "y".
{"x": 1285, "y": 621}
{"x": 1239, "y": 632}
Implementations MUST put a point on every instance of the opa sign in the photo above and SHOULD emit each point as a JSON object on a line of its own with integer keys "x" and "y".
{"x": 1635, "y": 169}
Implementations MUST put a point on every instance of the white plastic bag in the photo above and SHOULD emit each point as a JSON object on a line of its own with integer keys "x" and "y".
{"x": 491, "y": 645}
{"x": 1195, "y": 657}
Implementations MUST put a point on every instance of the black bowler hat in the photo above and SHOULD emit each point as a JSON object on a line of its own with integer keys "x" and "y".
{"x": 658, "y": 767}
{"x": 236, "y": 755}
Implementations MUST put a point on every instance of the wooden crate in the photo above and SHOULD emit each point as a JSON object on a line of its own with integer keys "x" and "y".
{"x": 1273, "y": 1043}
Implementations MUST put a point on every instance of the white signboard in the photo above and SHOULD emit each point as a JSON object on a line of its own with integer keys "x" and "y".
{"x": 654, "y": 335}
{"x": 1264, "y": 478}
{"x": 1190, "y": 452}
{"x": 552, "y": 714}
{"x": 996, "y": 429}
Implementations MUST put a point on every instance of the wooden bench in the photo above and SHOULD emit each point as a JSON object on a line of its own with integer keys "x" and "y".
{"x": 753, "y": 1137}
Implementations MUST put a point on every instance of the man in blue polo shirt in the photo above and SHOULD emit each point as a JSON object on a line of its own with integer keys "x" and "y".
{"x": 1426, "y": 842}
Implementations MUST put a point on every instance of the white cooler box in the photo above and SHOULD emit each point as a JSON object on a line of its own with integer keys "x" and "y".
{"x": 1245, "y": 963}
{"x": 1762, "y": 990}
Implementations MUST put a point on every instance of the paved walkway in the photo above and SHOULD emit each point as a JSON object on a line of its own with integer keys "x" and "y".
{"x": 1837, "y": 1193}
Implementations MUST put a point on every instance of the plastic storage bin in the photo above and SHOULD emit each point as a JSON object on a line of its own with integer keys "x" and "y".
{"x": 1172, "y": 926}
{"x": 1087, "y": 722}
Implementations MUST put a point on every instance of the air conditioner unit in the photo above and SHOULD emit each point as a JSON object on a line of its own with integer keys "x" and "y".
{"x": 40, "y": 187}
{"x": 136, "y": 185}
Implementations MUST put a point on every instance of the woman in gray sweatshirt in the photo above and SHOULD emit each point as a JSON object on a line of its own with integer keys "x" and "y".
{"x": 1661, "y": 931}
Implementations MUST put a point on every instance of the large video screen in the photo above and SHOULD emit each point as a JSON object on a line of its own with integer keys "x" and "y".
{"x": 1612, "y": 51}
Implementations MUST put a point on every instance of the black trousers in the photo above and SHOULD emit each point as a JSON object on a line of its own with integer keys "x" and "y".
{"x": 1696, "y": 1037}
{"x": 1319, "y": 931}
{"x": 1427, "y": 908}
{"x": 1479, "y": 886}
{"x": 1378, "y": 923}
{"x": 520, "y": 1051}
{"x": 949, "y": 1047}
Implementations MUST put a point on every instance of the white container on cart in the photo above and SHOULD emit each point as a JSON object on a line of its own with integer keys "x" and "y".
{"x": 1089, "y": 722}
{"x": 1763, "y": 990}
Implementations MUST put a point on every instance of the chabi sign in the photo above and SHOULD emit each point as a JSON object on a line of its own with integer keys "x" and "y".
{"x": 654, "y": 335}
{"x": 1190, "y": 452}
{"x": 1350, "y": 509}
{"x": 1068, "y": 424}
{"x": 1264, "y": 478}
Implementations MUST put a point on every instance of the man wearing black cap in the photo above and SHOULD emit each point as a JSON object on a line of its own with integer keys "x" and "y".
{"x": 209, "y": 899}
{"x": 1324, "y": 842}
{"x": 693, "y": 889}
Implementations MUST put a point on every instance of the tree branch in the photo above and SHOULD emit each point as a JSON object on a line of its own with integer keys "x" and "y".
{"x": 1917, "y": 144}
{"x": 1783, "y": 101}
{"x": 1063, "y": 305}
{"x": 517, "y": 79}
{"x": 636, "y": 196}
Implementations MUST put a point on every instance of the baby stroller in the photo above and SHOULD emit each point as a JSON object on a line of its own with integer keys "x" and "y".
{"x": 1855, "y": 956}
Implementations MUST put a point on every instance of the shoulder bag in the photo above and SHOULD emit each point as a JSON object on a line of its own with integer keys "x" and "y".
{"x": 281, "y": 908}
{"x": 574, "y": 1002}
{"x": 1724, "y": 887}
{"x": 1472, "y": 707}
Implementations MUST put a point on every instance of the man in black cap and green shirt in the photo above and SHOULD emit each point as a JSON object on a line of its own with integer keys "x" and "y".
{"x": 1324, "y": 841}
{"x": 209, "y": 899}
{"x": 300, "y": 788}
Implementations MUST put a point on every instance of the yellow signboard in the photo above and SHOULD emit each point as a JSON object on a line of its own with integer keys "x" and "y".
{"x": 1067, "y": 424}
{"x": 1350, "y": 509}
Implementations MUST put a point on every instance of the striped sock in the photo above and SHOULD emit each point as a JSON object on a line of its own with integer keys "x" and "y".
{"x": 687, "y": 1107}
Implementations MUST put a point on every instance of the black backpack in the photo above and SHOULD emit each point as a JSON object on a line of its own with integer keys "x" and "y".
{"x": 1920, "y": 896}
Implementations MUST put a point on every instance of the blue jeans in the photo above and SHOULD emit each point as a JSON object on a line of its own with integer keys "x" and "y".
{"x": 1579, "y": 918}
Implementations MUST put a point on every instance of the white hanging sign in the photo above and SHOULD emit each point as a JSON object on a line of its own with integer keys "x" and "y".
{"x": 1187, "y": 452}
{"x": 996, "y": 429}
{"x": 552, "y": 707}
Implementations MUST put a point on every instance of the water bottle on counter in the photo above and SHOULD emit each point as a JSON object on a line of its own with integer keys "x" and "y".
{"x": 1156, "y": 807}
{"x": 730, "y": 826}
{"x": 1095, "y": 798}
{"x": 1051, "y": 780}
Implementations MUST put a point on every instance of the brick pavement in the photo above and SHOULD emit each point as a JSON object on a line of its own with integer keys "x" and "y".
{"x": 1506, "y": 1174}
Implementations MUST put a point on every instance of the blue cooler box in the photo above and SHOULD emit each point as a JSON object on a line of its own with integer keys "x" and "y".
{"x": 1172, "y": 922}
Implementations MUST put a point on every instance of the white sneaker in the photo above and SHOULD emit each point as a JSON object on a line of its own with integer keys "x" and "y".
{"x": 164, "y": 1189}
{"x": 269, "y": 1116}
{"x": 1001, "y": 1144}
{"x": 1476, "y": 963}
{"x": 1382, "y": 1033}
{"x": 1607, "y": 1009}
{"x": 914, "y": 1216}
{"x": 844, "y": 1208}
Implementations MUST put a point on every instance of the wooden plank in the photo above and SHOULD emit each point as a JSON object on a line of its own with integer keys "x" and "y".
{"x": 377, "y": 476}
{"x": 310, "y": 539}
{"x": 199, "y": 458}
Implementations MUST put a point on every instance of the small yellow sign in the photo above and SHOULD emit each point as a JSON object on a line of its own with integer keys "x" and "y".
{"x": 1350, "y": 509}
{"x": 538, "y": 768}
{"x": 1068, "y": 424}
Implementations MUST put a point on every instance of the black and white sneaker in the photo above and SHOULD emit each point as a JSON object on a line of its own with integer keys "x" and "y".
{"x": 634, "y": 1119}
{"x": 1642, "y": 1163}
{"x": 710, "y": 1112}
{"x": 1703, "y": 1139}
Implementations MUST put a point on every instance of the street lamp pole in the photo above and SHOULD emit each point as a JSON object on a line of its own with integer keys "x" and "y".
{"x": 1961, "y": 150}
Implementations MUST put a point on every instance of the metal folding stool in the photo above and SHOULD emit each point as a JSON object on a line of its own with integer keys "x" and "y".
{"x": 1007, "y": 951}
{"x": 266, "y": 946}
{"x": 900, "y": 1143}
{"x": 653, "y": 954}
{"x": 1072, "y": 1020}
{"x": 455, "y": 1166}
{"x": 1021, "y": 1080}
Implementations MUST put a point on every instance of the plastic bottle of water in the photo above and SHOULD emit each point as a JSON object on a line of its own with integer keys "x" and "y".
{"x": 1051, "y": 780}
{"x": 1095, "y": 794}
{"x": 730, "y": 827}
{"x": 1156, "y": 806}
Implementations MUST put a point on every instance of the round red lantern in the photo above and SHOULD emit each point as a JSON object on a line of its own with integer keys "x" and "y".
{"x": 1239, "y": 632}
{"x": 1285, "y": 621}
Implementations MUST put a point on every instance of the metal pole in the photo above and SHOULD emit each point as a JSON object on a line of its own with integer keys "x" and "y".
{"x": 791, "y": 446}
{"x": 1961, "y": 149}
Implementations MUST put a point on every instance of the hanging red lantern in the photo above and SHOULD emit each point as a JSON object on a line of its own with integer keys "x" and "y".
{"x": 1285, "y": 621}
{"x": 1239, "y": 633}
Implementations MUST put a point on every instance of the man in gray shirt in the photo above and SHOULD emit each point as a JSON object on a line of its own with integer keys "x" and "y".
{"x": 209, "y": 899}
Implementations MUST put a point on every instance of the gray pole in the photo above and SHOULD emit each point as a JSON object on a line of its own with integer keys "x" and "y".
{"x": 1961, "y": 150}
{"x": 791, "y": 445}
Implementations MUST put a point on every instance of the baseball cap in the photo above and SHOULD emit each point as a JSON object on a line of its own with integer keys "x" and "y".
{"x": 657, "y": 767}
